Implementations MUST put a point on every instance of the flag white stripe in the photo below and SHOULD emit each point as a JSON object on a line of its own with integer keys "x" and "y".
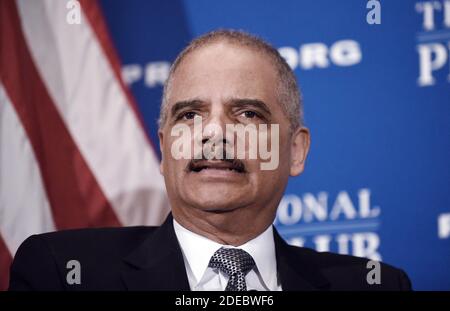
{"x": 83, "y": 87}
{"x": 24, "y": 207}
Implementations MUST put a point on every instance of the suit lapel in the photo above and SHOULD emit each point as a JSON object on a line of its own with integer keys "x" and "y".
{"x": 157, "y": 264}
{"x": 295, "y": 272}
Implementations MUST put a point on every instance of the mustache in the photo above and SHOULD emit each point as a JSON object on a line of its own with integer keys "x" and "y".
{"x": 220, "y": 157}
{"x": 196, "y": 165}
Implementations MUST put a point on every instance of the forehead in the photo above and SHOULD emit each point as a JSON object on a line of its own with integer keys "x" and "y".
{"x": 224, "y": 70}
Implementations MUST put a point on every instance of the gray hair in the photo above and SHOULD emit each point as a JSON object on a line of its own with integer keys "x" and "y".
{"x": 287, "y": 91}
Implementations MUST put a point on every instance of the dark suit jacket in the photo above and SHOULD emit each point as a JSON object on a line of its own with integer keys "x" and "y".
{"x": 150, "y": 258}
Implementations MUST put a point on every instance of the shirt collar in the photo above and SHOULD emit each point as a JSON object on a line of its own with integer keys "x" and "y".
{"x": 198, "y": 251}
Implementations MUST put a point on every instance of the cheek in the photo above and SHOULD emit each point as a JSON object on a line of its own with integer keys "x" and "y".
{"x": 173, "y": 169}
{"x": 285, "y": 149}
{"x": 271, "y": 178}
{"x": 268, "y": 185}
{"x": 177, "y": 167}
{"x": 285, "y": 157}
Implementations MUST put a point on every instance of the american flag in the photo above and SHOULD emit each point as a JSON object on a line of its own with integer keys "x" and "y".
{"x": 73, "y": 149}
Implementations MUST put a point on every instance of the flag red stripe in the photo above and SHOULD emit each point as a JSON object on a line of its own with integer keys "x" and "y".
{"x": 73, "y": 192}
{"x": 5, "y": 262}
{"x": 96, "y": 19}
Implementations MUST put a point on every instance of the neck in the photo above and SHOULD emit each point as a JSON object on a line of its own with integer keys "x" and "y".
{"x": 235, "y": 227}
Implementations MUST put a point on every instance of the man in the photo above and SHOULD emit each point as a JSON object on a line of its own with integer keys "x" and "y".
{"x": 219, "y": 235}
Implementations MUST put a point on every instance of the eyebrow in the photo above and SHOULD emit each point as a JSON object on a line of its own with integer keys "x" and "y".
{"x": 236, "y": 102}
{"x": 256, "y": 103}
{"x": 193, "y": 103}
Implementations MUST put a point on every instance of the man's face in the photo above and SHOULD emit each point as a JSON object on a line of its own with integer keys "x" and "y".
{"x": 227, "y": 84}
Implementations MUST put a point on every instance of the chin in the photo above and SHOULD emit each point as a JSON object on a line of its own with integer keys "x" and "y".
{"x": 216, "y": 204}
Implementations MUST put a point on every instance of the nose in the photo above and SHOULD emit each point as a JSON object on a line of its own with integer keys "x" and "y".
{"x": 215, "y": 125}
{"x": 213, "y": 140}
{"x": 216, "y": 139}
{"x": 214, "y": 129}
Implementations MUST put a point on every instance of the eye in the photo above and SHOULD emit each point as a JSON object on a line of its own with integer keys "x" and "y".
{"x": 249, "y": 114}
{"x": 187, "y": 115}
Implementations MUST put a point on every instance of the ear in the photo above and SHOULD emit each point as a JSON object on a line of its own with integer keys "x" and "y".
{"x": 299, "y": 150}
{"x": 161, "y": 144}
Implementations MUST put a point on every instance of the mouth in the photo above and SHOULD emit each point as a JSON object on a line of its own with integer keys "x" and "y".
{"x": 230, "y": 165}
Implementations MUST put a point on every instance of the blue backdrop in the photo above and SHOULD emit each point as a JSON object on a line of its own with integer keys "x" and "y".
{"x": 377, "y": 102}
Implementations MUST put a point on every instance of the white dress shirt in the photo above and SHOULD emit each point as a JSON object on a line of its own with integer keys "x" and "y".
{"x": 198, "y": 250}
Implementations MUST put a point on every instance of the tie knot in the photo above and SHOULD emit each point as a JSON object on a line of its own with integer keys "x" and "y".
{"x": 232, "y": 261}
